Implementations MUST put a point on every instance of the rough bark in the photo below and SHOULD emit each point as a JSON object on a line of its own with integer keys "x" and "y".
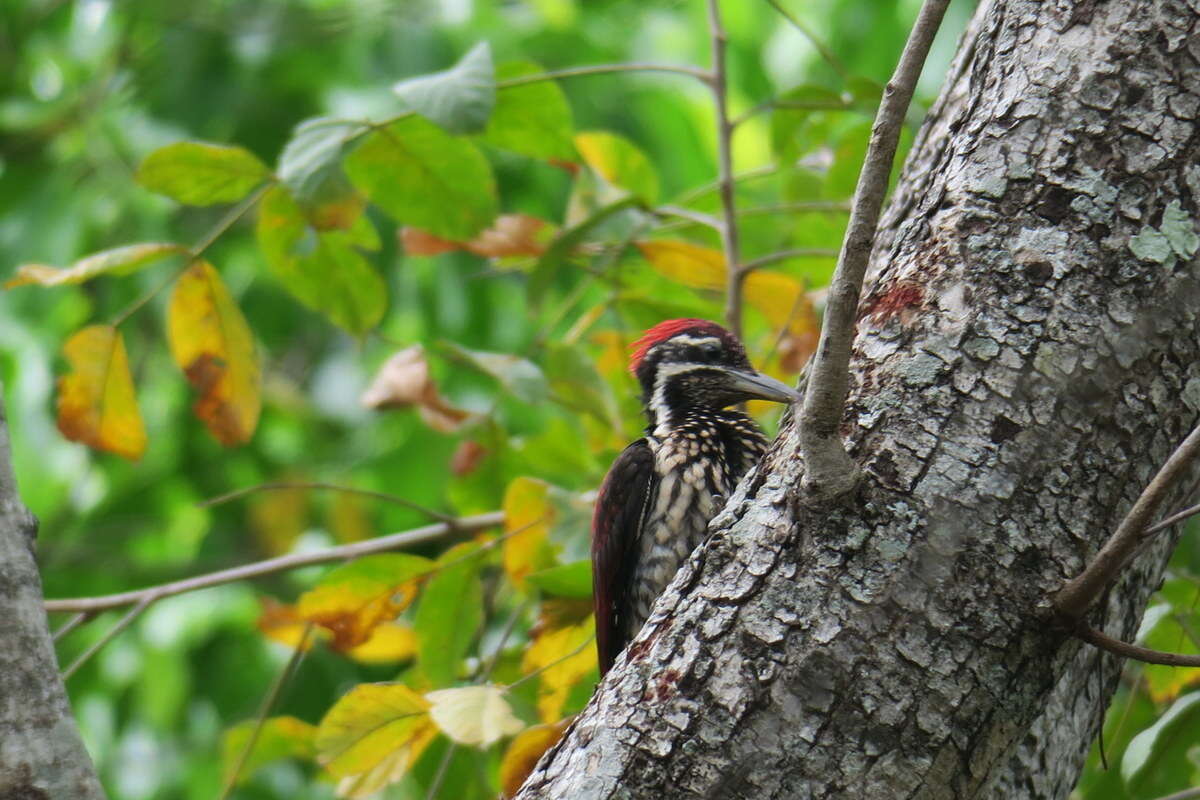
{"x": 1026, "y": 357}
{"x": 41, "y": 754}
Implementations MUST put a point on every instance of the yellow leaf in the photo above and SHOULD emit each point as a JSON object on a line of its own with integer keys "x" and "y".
{"x": 689, "y": 264}
{"x": 279, "y": 621}
{"x": 211, "y": 341}
{"x": 119, "y": 261}
{"x": 524, "y": 751}
{"x": 355, "y": 598}
{"x": 473, "y": 715}
{"x": 782, "y": 300}
{"x": 373, "y": 734}
{"x": 96, "y": 403}
{"x": 390, "y": 642}
{"x": 528, "y": 515}
{"x": 562, "y": 652}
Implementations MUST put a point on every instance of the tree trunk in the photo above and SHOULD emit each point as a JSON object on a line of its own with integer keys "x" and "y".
{"x": 1027, "y": 355}
{"x": 41, "y": 754}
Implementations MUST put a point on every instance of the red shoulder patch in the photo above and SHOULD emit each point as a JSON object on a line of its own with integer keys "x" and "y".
{"x": 665, "y": 330}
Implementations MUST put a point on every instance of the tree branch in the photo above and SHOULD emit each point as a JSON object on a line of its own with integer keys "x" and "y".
{"x": 729, "y": 229}
{"x": 1077, "y": 595}
{"x": 333, "y": 487}
{"x": 829, "y": 471}
{"x": 825, "y": 52}
{"x": 1106, "y": 642}
{"x": 784, "y": 255}
{"x": 293, "y": 561}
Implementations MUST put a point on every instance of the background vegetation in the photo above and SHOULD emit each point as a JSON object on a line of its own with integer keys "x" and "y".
{"x": 517, "y": 399}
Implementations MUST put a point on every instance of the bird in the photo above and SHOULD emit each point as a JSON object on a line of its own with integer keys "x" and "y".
{"x": 656, "y": 501}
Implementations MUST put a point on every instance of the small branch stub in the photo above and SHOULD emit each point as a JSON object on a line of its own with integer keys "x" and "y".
{"x": 829, "y": 471}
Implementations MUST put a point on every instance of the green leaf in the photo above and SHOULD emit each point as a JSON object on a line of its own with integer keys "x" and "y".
{"x": 519, "y": 376}
{"x": 620, "y": 162}
{"x": 311, "y": 167}
{"x": 279, "y": 738}
{"x": 424, "y": 177}
{"x": 533, "y": 119}
{"x": 202, "y": 174}
{"x": 323, "y": 269}
{"x": 449, "y": 614}
{"x": 1156, "y": 762}
{"x": 118, "y": 261}
{"x": 793, "y": 116}
{"x": 576, "y": 384}
{"x": 459, "y": 99}
{"x": 566, "y": 580}
{"x": 567, "y": 240}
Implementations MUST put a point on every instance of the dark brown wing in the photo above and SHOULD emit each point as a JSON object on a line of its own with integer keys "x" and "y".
{"x": 616, "y": 526}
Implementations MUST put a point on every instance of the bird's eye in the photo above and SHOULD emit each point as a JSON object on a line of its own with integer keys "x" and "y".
{"x": 712, "y": 350}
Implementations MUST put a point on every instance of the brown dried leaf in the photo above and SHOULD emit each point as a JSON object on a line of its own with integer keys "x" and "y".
{"x": 466, "y": 457}
{"x": 404, "y": 381}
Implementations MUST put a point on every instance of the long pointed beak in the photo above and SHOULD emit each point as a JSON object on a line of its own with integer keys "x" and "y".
{"x": 761, "y": 387}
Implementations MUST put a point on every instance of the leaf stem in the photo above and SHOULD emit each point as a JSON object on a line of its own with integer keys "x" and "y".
{"x": 604, "y": 69}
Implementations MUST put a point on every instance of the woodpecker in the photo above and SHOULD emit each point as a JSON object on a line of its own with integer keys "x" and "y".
{"x": 659, "y": 495}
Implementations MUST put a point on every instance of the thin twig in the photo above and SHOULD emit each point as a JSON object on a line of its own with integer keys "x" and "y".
{"x": 825, "y": 52}
{"x": 123, "y": 623}
{"x": 553, "y": 663}
{"x": 798, "y": 105}
{"x": 1106, "y": 642}
{"x": 604, "y": 69}
{"x": 728, "y": 229}
{"x": 198, "y": 249}
{"x": 73, "y": 623}
{"x": 292, "y": 561}
{"x": 1178, "y": 516}
{"x": 264, "y": 710}
{"x": 691, "y": 215}
{"x": 784, "y": 255}
{"x": 436, "y": 785}
{"x": 707, "y": 188}
{"x": 333, "y": 487}
{"x": 829, "y": 471}
{"x": 1078, "y": 594}
{"x": 793, "y": 208}
{"x": 1186, "y": 794}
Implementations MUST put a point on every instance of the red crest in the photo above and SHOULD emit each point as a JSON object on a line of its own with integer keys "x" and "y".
{"x": 665, "y": 330}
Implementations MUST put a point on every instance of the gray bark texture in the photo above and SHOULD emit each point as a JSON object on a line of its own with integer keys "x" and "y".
{"x": 41, "y": 754}
{"x": 1027, "y": 355}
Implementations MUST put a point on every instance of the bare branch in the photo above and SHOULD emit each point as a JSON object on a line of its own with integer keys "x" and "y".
{"x": 112, "y": 633}
{"x": 384, "y": 543}
{"x": 728, "y": 230}
{"x": 333, "y": 487}
{"x": 784, "y": 255}
{"x": 697, "y": 217}
{"x": 747, "y": 175}
{"x": 829, "y": 471}
{"x": 1074, "y": 598}
{"x": 1106, "y": 642}
{"x": 1178, "y": 516}
{"x": 264, "y": 710}
{"x": 825, "y": 52}
{"x": 1186, "y": 794}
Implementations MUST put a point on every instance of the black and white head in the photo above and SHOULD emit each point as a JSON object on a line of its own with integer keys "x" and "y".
{"x": 693, "y": 364}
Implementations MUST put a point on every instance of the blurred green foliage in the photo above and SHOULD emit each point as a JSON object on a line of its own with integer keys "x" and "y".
{"x": 525, "y": 351}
